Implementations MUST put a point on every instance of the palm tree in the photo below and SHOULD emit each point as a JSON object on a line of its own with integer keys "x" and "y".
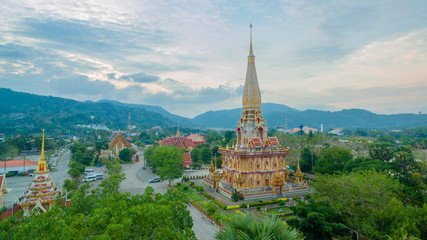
{"x": 245, "y": 227}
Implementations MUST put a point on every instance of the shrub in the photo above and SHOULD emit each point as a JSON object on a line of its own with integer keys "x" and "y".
{"x": 243, "y": 205}
{"x": 233, "y": 207}
{"x": 200, "y": 188}
{"x": 235, "y": 196}
{"x": 220, "y": 204}
{"x": 178, "y": 184}
{"x": 281, "y": 203}
{"x": 260, "y": 201}
{"x": 185, "y": 187}
{"x": 258, "y": 208}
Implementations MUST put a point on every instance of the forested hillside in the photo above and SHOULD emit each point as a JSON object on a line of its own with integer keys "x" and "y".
{"x": 22, "y": 112}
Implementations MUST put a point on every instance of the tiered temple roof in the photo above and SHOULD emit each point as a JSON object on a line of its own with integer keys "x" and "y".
{"x": 183, "y": 142}
{"x": 42, "y": 192}
{"x": 119, "y": 139}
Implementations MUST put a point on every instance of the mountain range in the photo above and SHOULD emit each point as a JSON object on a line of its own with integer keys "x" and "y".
{"x": 25, "y": 111}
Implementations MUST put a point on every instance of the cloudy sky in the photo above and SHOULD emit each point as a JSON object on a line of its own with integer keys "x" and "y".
{"x": 190, "y": 56}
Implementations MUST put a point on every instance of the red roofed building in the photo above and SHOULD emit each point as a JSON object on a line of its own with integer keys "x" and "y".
{"x": 183, "y": 142}
{"x": 187, "y": 161}
{"x": 19, "y": 166}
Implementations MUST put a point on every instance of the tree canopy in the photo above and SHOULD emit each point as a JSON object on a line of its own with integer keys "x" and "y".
{"x": 105, "y": 213}
{"x": 167, "y": 160}
{"x": 333, "y": 160}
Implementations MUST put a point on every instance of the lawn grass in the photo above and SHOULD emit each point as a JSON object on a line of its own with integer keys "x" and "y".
{"x": 276, "y": 210}
{"x": 196, "y": 197}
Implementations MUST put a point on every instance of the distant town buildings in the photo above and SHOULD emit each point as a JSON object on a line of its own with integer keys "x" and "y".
{"x": 94, "y": 126}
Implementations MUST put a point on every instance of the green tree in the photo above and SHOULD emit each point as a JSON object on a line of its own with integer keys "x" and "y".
{"x": 333, "y": 160}
{"x": 228, "y": 135}
{"x": 195, "y": 157}
{"x": 205, "y": 155}
{"x": 308, "y": 158}
{"x": 246, "y": 226}
{"x": 126, "y": 155}
{"x": 317, "y": 220}
{"x": 381, "y": 151}
{"x": 394, "y": 221}
{"x": 356, "y": 195}
{"x": 365, "y": 163}
{"x": 168, "y": 162}
{"x": 406, "y": 164}
{"x": 148, "y": 153}
{"x": 386, "y": 139}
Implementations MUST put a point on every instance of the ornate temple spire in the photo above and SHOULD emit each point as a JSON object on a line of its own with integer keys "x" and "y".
{"x": 41, "y": 166}
{"x": 178, "y": 134}
{"x": 251, "y": 94}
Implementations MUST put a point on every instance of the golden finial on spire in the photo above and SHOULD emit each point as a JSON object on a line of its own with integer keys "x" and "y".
{"x": 250, "y": 50}
{"x": 41, "y": 166}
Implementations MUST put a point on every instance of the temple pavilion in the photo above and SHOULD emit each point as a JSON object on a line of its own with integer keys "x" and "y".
{"x": 42, "y": 192}
{"x": 256, "y": 165}
{"x": 119, "y": 143}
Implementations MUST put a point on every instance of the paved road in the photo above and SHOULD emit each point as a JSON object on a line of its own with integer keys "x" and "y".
{"x": 62, "y": 168}
{"x": 137, "y": 180}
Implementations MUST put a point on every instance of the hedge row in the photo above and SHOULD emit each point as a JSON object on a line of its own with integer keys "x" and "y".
{"x": 260, "y": 203}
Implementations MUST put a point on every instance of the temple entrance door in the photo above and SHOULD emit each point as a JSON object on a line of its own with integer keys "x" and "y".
{"x": 267, "y": 182}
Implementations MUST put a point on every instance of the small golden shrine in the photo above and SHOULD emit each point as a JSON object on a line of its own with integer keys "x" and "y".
{"x": 298, "y": 175}
{"x": 42, "y": 192}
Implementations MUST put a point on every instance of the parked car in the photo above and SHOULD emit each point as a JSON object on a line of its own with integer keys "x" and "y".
{"x": 154, "y": 180}
{"x": 31, "y": 174}
{"x": 89, "y": 178}
{"x": 88, "y": 171}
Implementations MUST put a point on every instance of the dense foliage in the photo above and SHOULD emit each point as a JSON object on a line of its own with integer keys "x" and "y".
{"x": 105, "y": 213}
{"x": 166, "y": 161}
{"x": 246, "y": 226}
{"x": 372, "y": 203}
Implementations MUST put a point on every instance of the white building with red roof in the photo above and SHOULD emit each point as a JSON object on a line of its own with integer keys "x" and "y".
{"x": 18, "y": 166}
